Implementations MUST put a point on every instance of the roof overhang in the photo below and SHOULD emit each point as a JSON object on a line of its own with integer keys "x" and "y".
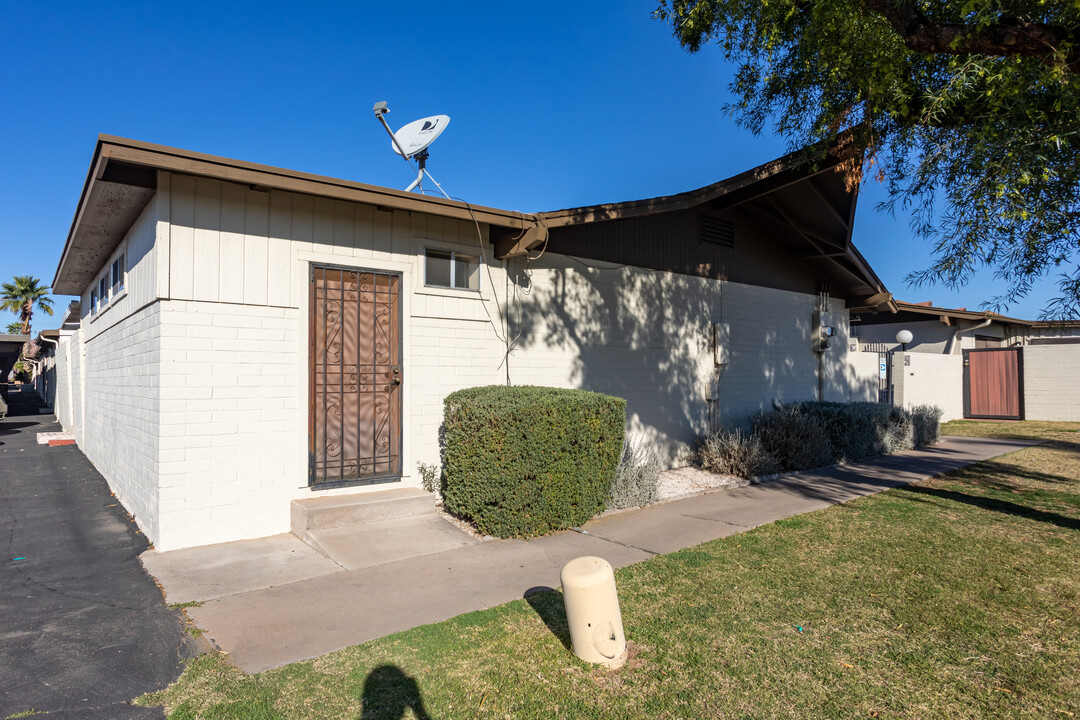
{"x": 756, "y": 189}
{"x": 948, "y": 315}
{"x": 123, "y": 178}
{"x": 10, "y": 349}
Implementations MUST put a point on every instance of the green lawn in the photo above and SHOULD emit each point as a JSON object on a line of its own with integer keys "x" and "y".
{"x": 956, "y": 598}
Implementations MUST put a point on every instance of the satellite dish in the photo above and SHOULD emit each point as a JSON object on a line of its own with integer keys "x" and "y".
{"x": 417, "y": 135}
{"x": 411, "y": 142}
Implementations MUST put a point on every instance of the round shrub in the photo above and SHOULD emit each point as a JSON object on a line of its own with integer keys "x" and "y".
{"x": 525, "y": 461}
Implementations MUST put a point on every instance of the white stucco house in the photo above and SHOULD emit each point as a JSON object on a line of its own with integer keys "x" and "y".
{"x": 250, "y": 336}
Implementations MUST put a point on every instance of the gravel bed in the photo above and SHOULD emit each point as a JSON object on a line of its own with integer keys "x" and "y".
{"x": 690, "y": 480}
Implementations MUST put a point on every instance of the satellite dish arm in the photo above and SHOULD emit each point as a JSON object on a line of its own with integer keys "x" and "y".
{"x": 380, "y": 111}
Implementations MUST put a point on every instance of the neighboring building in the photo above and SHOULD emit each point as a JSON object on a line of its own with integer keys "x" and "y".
{"x": 10, "y": 349}
{"x": 43, "y": 361}
{"x": 250, "y": 336}
{"x": 942, "y": 331}
{"x": 975, "y": 364}
{"x": 1044, "y": 332}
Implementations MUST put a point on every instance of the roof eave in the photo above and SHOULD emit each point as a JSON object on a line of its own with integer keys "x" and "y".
{"x": 126, "y": 152}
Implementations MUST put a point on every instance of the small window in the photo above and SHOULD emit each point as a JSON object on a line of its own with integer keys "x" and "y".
{"x": 103, "y": 290}
{"x": 93, "y": 301}
{"x": 447, "y": 268}
{"x": 118, "y": 275}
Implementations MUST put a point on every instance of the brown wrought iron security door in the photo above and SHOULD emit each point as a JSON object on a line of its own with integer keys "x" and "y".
{"x": 355, "y": 384}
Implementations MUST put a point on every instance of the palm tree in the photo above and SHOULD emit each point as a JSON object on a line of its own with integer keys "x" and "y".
{"x": 14, "y": 328}
{"x": 21, "y": 296}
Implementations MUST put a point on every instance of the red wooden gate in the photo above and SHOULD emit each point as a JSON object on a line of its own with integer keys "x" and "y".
{"x": 994, "y": 384}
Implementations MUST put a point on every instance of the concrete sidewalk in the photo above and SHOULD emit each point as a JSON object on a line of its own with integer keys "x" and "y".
{"x": 273, "y": 601}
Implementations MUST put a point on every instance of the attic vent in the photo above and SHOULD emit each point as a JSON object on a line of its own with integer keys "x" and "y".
{"x": 717, "y": 230}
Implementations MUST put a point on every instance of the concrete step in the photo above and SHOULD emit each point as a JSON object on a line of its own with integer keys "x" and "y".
{"x": 386, "y": 541}
{"x": 337, "y": 511}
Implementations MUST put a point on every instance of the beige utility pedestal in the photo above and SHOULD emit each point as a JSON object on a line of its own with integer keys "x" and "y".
{"x": 592, "y": 611}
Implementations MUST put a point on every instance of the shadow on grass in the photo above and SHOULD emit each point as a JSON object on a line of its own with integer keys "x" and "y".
{"x": 995, "y": 505}
{"x": 1008, "y": 470}
{"x": 389, "y": 692}
{"x": 548, "y": 605}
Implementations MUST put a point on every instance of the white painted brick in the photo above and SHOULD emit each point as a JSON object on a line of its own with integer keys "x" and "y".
{"x": 1052, "y": 382}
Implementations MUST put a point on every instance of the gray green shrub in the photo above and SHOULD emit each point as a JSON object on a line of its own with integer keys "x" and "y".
{"x": 806, "y": 435}
{"x": 926, "y": 424}
{"x": 637, "y": 478}
{"x": 734, "y": 452}
{"x": 795, "y": 439}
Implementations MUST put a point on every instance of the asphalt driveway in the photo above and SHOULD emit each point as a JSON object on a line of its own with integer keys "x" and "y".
{"x": 83, "y": 628}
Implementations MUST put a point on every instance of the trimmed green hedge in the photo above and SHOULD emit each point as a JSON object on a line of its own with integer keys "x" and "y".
{"x": 525, "y": 461}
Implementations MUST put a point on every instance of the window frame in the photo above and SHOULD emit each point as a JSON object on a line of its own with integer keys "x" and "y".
{"x": 111, "y": 284}
{"x": 119, "y": 280}
{"x": 453, "y": 270}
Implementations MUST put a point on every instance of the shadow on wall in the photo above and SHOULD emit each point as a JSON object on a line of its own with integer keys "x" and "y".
{"x": 645, "y": 336}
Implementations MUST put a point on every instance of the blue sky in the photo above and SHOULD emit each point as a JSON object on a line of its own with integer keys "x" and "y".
{"x": 552, "y": 105}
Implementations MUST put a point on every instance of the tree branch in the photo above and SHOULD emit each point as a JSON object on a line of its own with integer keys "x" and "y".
{"x": 1005, "y": 39}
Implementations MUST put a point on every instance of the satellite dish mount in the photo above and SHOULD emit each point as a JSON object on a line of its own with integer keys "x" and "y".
{"x": 412, "y": 141}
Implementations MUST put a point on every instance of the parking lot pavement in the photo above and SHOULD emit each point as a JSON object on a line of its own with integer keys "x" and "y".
{"x": 83, "y": 628}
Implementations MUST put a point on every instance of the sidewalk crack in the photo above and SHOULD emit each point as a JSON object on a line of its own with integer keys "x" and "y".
{"x": 616, "y": 542}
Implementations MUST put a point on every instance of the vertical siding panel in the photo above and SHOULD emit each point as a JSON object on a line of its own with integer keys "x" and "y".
{"x": 207, "y": 239}
{"x": 231, "y": 272}
{"x": 383, "y": 227}
{"x": 365, "y": 238}
{"x": 303, "y": 217}
{"x": 322, "y": 231}
{"x": 139, "y": 258}
{"x": 343, "y": 228}
{"x": 400, "y": 232}
{"x": 182, "y": 238}
{"x": 256, "y": 229}
{"x": 279, "y": 267}
{"x": 162, "y": 232}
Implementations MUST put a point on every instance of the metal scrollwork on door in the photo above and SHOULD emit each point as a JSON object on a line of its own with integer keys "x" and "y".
{"x": 355, "y": 376}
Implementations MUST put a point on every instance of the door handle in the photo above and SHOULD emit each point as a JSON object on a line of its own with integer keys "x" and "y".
{"x": 395, "y": 375}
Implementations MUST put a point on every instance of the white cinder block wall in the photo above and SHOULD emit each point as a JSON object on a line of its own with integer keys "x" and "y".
{"x": 644, "y": 335}
{"x": 123, "y": 413}
{"x": 229, "y": 401}
{"x": 1052, "y": 382}
{"x": 924, "y": 379}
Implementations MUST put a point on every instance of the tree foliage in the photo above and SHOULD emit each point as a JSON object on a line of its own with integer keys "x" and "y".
{"x": 972, "y": 104}
{"x": 21, "y": 295}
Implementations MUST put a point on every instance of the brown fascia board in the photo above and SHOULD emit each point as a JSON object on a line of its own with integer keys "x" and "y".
{"x": 187, "y": 162}
{"x": 689, "y": 199}
{"x": 958, "y": 314}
